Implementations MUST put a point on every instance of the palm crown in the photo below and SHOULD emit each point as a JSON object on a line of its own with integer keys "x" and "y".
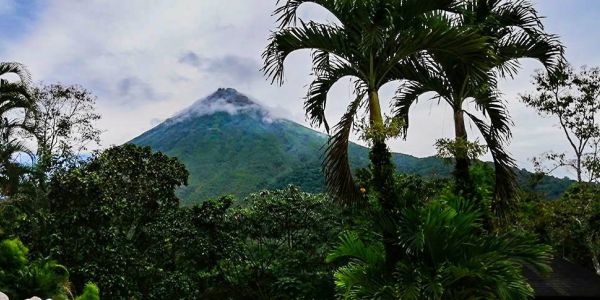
{"x": 514, "y": 31}
{"x": 374, "y": 42}
{"x": 14, "y": 97}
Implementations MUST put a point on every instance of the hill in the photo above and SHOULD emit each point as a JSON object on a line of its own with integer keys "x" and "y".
{"x": 232, "y": 145}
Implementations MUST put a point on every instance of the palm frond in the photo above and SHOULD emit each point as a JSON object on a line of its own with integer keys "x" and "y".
{"x": 412, "y": 10}
{"x": 287, "y": 11}
{"x": 440, "y": 36}
{"x": 336, "y": 165}
{"x": 504, "y": 165}
{"x": 361, "y": 277}
{"x": 541, "y": 47}
{"x": 487, "y": 100}
{"x": 519, "y": 13}
{"x": 352, "y": 248}
{"x": 16, "y": 68}
{"x": 14, "y": 94}
{"x": 311, "y": 36}
{"x": 328, "y": 73}
{"x": 418, "y": 80}
{"x": 446, "y": 256}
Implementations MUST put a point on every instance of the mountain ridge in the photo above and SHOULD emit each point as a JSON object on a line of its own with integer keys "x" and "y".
{"x": 233, "y": 145}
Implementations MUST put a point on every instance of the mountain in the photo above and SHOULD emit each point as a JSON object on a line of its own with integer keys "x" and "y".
{"x": 232, "y": 145}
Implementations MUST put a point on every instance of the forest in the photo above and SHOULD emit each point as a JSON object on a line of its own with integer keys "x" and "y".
{"x": 81, "y": 223}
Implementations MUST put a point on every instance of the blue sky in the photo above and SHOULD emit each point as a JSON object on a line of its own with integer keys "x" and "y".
{"x": 147, "y": 60}
{"x": 17, "y": 18}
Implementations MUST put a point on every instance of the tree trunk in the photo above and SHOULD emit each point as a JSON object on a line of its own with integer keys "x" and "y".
{"x": 579, "y": 168}
{"x": 464, "y": 184}
{"x": 383, "y": 183}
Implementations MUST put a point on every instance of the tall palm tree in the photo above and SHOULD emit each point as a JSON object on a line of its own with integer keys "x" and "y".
{"x": 372, "y": 42}
{"x": 514, "y": 31}
{"x": 15, "y": 104}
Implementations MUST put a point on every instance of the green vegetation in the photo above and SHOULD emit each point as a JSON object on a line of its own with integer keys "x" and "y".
{"x": 21, "y": 278}
{"x": 240, "y": 154}
{"x": 123, "y": 225}
{"x": 379, "y": 42}
{"x": 15, "y": 105}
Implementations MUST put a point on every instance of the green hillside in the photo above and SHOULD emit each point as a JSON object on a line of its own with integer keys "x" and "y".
{"x": 231, "y": 145}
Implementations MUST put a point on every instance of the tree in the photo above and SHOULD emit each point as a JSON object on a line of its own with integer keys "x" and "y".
{"x": 64, "y": 124}
{"x": 514, "y": 31}
{"x": 573, "y": 99}
{"x": 374, "y": 42}
{"x": 11, "y": 170}
{"x": 281, "y": 240}
{"x": 570, "y": 224}
{"x": 15, "y": 105}
{"x": 103, "y": 219}
{"x": 446, "y": 257}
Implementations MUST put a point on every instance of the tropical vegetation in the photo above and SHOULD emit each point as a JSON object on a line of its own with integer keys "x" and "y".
{"x": 110, "y": 224}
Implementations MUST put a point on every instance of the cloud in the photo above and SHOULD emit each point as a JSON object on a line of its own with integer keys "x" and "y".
{"x": 191, "y": 59}
{"x": 133, "y": 87}
{"x": 237, "y": 69}
{"x": 225, "y": 100}
{"x": 156, "y": 121}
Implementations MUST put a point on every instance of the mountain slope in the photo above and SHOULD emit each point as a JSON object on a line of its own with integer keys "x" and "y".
{"x": 231, "y": 145}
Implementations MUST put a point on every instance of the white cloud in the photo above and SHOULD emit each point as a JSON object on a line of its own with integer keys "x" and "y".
{"x": 224, "y": 100}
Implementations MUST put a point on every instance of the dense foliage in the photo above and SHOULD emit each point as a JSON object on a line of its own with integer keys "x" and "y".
{"x": 134, "y": 240}
{"x": 21, "y": 278}
{"x": 570, "y": 224}
{"x": 119, "y": 229}
{"x": 286, "y": 260}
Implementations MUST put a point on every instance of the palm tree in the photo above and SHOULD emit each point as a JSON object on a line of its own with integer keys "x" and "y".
{"x": 372, "y": 42}
{"x": 15, "y": 104}
{"x": 446, "y": 256}
{"x": 10, "y": 170}
{"x": 514, "y": 31}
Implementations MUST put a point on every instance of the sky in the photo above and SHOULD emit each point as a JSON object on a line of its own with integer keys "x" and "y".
{"x": 147, "y": 60}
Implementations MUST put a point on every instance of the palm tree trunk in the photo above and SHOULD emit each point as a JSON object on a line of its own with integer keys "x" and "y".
{"x": 383, "y": 181}
{"x": 464, "y": 185}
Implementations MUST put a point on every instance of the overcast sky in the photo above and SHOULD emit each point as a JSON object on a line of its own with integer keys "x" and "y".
{"x": 147, "y": 60}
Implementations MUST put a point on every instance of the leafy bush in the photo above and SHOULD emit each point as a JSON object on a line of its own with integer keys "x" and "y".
{"x": 446, "y": 254}
{"x": 20, "y": 278}
{"x": 90, "y": 292}
{"x": 570, "y": 224}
